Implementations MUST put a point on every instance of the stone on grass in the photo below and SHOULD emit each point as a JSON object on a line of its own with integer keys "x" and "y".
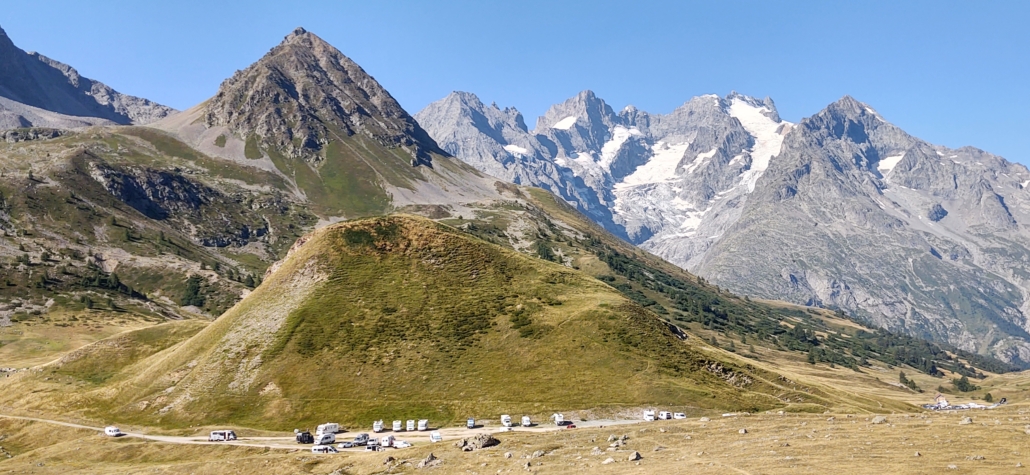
{"x": 965, "y": 421}
{"x": 742, "y": 431}
{"x": 634, "y": 456}
{"x": 507, "y": 455}
{"x": 879, "y": 420}
{"x": 705, "y": 419}
{"x": 596, "y": 451}
{"x": 480, "y": 441}
{"x": 538, "y": 453}
{"x": 608, "y": 461}
{"x": 430, "y": 461}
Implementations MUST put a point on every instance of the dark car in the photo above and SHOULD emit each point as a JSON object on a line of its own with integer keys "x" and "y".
{"x": 305, "y": 438}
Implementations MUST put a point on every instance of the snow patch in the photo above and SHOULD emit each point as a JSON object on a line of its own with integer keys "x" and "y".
{"x": 619, "y": 136}
{"x": 887, "y": 164}
{"x": 767, "y": 140}
{"x": 565, "y": 124}
{"x": 700, "y": 160}
{"x": 516, "y": 149}
{"x": 661, "y": 167}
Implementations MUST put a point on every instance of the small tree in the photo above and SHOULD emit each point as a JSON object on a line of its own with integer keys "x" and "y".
{"x": 988, "y": 397}
{"x": 962, "y": 384}
{"x": 811, "y": 355}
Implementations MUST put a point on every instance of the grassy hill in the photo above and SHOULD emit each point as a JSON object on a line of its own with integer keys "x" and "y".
{"x": 401, "y": 317}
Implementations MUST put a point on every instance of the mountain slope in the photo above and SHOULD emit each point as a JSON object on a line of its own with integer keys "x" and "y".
{"x": 36, "y": 91}
{"x": 912, "y": 237}
{"x": 400, "y": 317}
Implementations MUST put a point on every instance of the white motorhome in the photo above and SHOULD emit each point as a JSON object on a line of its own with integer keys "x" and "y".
{"x": 221, "y": 436}
{"x": 112, "y": 431}
{"x": 506, "y": 420}
{"x": 435, "y": 436}
{"x": 470, "y": 423}
{"x": 423, "y": 424}
{"x": 387, "y": 441}
{"x": 559, "y": 419}
{"x": 325, "y": 438}
{"x": 377, "y": 426}
{"x": 526, "y": 422}
{"x": 328, "y": 427}
{"x": 398, "y": 426}
{"x": 649, "y": 415}
{"x": 411, "y": 425}
{"x": 664, "y": 415}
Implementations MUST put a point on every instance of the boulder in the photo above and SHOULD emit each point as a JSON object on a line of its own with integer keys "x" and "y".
{"x": 596, "y": 451}
{"x": 705, "y": 419}
{"x": 879, "y": 420}
{"x": 965, "y": 421}
{"x": 634, "y": 456}
{"x": 538, "y": 453}
{"x": 742, "y": 431}
{"x": 608, "y": 461}
{"x": 477, "y": 442}
{"x": 430, "y": 461}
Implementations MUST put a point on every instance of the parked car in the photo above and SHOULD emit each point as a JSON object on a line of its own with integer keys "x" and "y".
{"x": 305, "y": 438}
{"x": 361, "y": 439}
{"x": 679, "y": 415}
{"x": 435, "y": 436}
{"x": 346, "y": 445}
{"x": 470, "y": 423}
{"x": 570, "y": 426}
{"x": 401, "y": 444}
{"x": 112, "y": 431}
{"x": 221, "y": 436}
{"x": 324, "y": 449}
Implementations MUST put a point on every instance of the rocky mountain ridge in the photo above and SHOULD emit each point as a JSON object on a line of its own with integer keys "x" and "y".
{"x": 722, "y": 186}
{"x": 37, "y": 91}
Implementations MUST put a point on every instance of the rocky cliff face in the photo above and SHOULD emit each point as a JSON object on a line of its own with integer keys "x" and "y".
{"x": 843, "y": 210}
{"x": 39, "y": 91}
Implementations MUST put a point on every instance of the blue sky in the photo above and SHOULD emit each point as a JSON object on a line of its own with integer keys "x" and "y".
{"x": 951, "y": 72}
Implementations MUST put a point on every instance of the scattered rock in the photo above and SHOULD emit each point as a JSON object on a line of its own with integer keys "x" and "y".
{"x": 608, "y": 461}
{"x": 918, "y": 454}
{"x": 480, "y": 441}
{"x": 390, "y": 460}
{"x": 658, "y": 448}
{"x": 975, "y": 457}
{"x": 538, "y": 453}
{"x": 612, "y": 438}
{"x": 633, "y": 457}
{"x": 507, "y": 455}
{"x": 596, "y": 451}
{"x": 1019, "y": 464}
{"x": 662, "y": 430}
{"x": 965, "y": 421}
{"x": 527, "y": 465}
{"x": 430, "y": 461}
{"x": 624, "y": 438}
{"x": 879, "y": 420}
{"x": 952, "y": 467}
{"x": 830, "y": 419}
{"x": 742, "y": 431}
{"x": 616, "y": 444}
{"x": 705, "y": 419}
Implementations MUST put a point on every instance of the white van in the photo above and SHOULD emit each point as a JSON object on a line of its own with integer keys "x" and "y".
{"x": 649, "y": 415}
{"x": 526, "y": 422}
{"x": 325, "y": 439}
{"x": 324, "y": 449}
{"x": 679, "y": 415}
{"x": 435, "y": 436}
{"x": 470, "y": 423}
{"x": 506, "y": 420}
{"x": 372, "y": 444}
{"x": 221, "y": 436}
{"x": 411, "y": 424}
{"x": 112, "y": 431}
{"x": 387, "y": 441}
{"x": 423, "y": 424}
{"x": 559, "y": 419}
{"x": 664, "y": 415}
{"x": 377, "y": 426}
{"x": 398, "y": 426}
{"x": 328, "y": 427}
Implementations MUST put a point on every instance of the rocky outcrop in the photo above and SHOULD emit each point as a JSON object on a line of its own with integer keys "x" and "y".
{"x": 476, "y": 442}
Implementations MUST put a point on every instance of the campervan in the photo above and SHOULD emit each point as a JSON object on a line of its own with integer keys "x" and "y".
{"x": 649, "y": 415}
{"x": 398, "y": 426}
{"x": 112, "y": 431}
{"x": 526, "y": 422}
{"x": 423, "y": 424}
{"x": 373, "y": 444}
{"x": 679, "y": 415}
{"x": 325, "y": 438}
{"x": 664, "y": 415}
{"x": 221, "y": 436}
{"x": 324, "y": 449}
{"x": 559, "y": 419}
{"x": 435, "y": 436}
{"x": 387, "y": 441}
{"x": 506, "y": 420}
{"x": 470, "y": 423}
{"x": 411, "y": 425}
{"x": 328, "y": 427}
{"x": 377, "y": 426}
{"x": 305, "y": 438}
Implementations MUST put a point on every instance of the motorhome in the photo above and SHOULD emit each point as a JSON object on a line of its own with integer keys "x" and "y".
{"x": 112, "y": 431}
{"x": 221, "y": 436}
{"x": 377, "y": 426}
{"x": 506, "y": 420}
{"x": 470, "y": 423}
{"x": 435, "y": 436}
{"x": 398, "y": 426}
{"x": 411, "y": 425}
{"x": 649, "y": 415}
{"x": 559, "y": 419}
{"x": 664, "y": 415}
{"x": 328, "y": 427}
{"x": 324, "y": 449}
{"x": 325, "y": 438}
{"x": 526, "y": 422}
{"x": 387, "y": 441}
{"x": 423, "y": 424}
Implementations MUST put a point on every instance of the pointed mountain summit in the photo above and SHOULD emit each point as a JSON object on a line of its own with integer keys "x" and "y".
{"x": 304, "y": 93}
{"x": 38, "y": 91}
